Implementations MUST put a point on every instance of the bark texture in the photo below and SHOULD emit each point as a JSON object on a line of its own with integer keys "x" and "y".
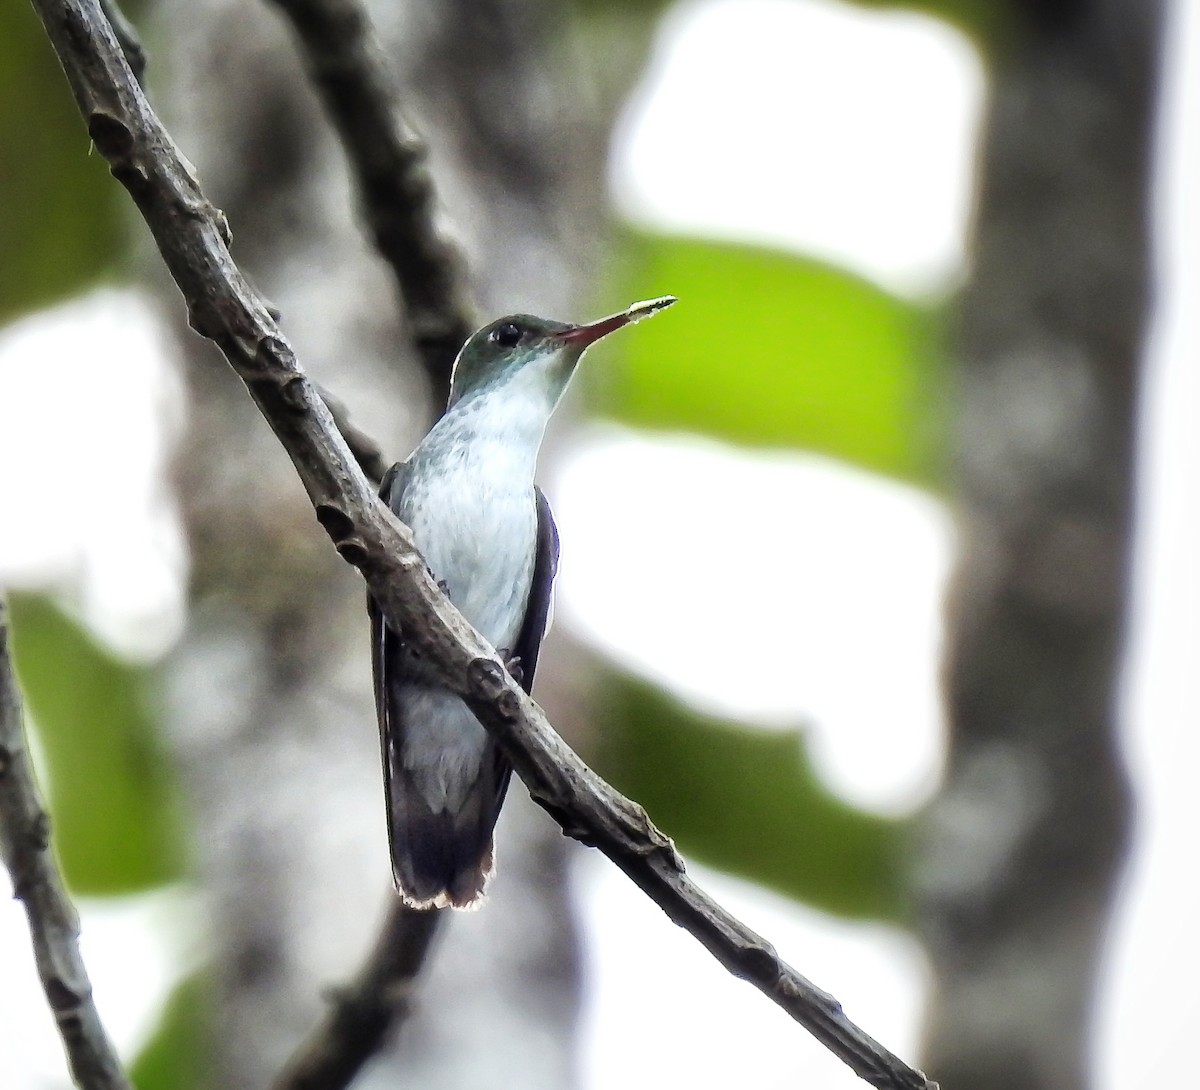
{"x": 1023, "y": 849}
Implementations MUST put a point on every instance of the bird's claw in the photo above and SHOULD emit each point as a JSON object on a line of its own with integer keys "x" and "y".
{"x": 512, "y": 663}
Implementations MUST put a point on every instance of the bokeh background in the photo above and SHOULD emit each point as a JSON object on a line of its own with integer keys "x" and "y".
{"x": 934, "y": 264}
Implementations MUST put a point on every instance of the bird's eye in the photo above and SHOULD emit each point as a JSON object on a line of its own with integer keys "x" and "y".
{"x": 506, "y": 335}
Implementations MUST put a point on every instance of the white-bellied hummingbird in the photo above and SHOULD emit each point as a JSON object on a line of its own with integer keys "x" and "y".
{"x": 488, "y": 537}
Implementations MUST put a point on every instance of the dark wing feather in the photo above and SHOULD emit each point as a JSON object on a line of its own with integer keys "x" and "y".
{"x": 387, "y": 646}
{"x": 537, "y": 611}
{"x": 529, "y": 641}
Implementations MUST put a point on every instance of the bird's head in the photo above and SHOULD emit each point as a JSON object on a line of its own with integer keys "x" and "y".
{"x": 537, "y": 351}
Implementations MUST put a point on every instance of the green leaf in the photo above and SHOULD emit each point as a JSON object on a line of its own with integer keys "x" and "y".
{"x": 60, "y": 211}
{"x": 112, "y": 794}
{"x": 177, "y": 1057}
{"x": 989, "y": 24}
{"x": 768, "y": 349}
{"x": 749, "y": 802}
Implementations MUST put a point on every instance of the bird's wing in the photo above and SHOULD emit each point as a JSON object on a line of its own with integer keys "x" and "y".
{"x": 415, "y": 837}
{"x": 537, "y": 609}
{"x": 533, "y": 628}
{"x": 387, "y": 646}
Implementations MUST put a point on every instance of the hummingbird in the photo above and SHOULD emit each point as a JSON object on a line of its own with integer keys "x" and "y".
{"x": 467, "y": 493}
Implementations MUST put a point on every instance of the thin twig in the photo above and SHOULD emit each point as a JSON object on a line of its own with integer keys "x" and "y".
{"x": 363, "y": 1014}
{"x": 127, "y": 35}
{"x": 53, "y": 924}
{"x": 388, "y": 161}
{"x": 364, "y": 449}
{"x": 192, "y": 238}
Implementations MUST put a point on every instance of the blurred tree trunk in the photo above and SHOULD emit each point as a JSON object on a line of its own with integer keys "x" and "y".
{"x": 272, "y": 697}
{"x": 1024, "y": 846}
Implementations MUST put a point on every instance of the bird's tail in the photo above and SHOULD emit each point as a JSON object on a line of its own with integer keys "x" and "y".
{"x": 442, "y": 859}
{"x": 441, "y": 856}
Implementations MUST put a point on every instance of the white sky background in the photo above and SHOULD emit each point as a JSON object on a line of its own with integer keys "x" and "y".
{"x": 866, "y": 162}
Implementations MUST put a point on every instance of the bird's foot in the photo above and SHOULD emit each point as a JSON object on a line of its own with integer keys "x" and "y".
{"x": 512, "y": 663}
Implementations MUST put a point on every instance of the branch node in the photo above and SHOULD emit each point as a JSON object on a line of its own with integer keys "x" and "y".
{"x": 6, "y": 760}
{"x": 337, "y": 524}
{"x": 38, "y": 835}
{"x": 508, "y": 705}
{"x": 642, "y": 836}
{"x": 112, "y": 137}
{"x": 760, "y": 962}
{"x": 273, "y": 353}
{"x": 571, "y": 827}
{"x": 295, "y": 394}
{"x": 486, "y": 678}
{"x": 61, "y": 996}
{"x": 489, "y": 680}
{"x": 792, "y": 990}
{"x": 353, "y": 552}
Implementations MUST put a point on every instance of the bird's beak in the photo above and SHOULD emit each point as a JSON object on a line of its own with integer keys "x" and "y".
{"x": 583, "y": 335}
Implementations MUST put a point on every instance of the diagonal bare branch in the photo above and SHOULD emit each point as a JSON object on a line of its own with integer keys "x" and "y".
{"x": 388, "y": 160}
{"x": 192, "y": 236}
{"x": 25, "y": 851}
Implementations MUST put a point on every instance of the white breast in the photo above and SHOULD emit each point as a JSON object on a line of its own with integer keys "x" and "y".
{"x": 474, "y": 518}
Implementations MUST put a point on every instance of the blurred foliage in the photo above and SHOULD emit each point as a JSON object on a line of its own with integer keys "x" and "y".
{"x": 767, "y": 349}
{"x": 990, "y": 25}
{"x": 770, "y": 349}
{"x": 968, "y": 12}
{"x": 749, "y": 803}
{"x": 177, "y": 1055}
{"x": 985, "y": 21}
{"x": 112, "y": 793}
{"x": 60, "y": 211}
